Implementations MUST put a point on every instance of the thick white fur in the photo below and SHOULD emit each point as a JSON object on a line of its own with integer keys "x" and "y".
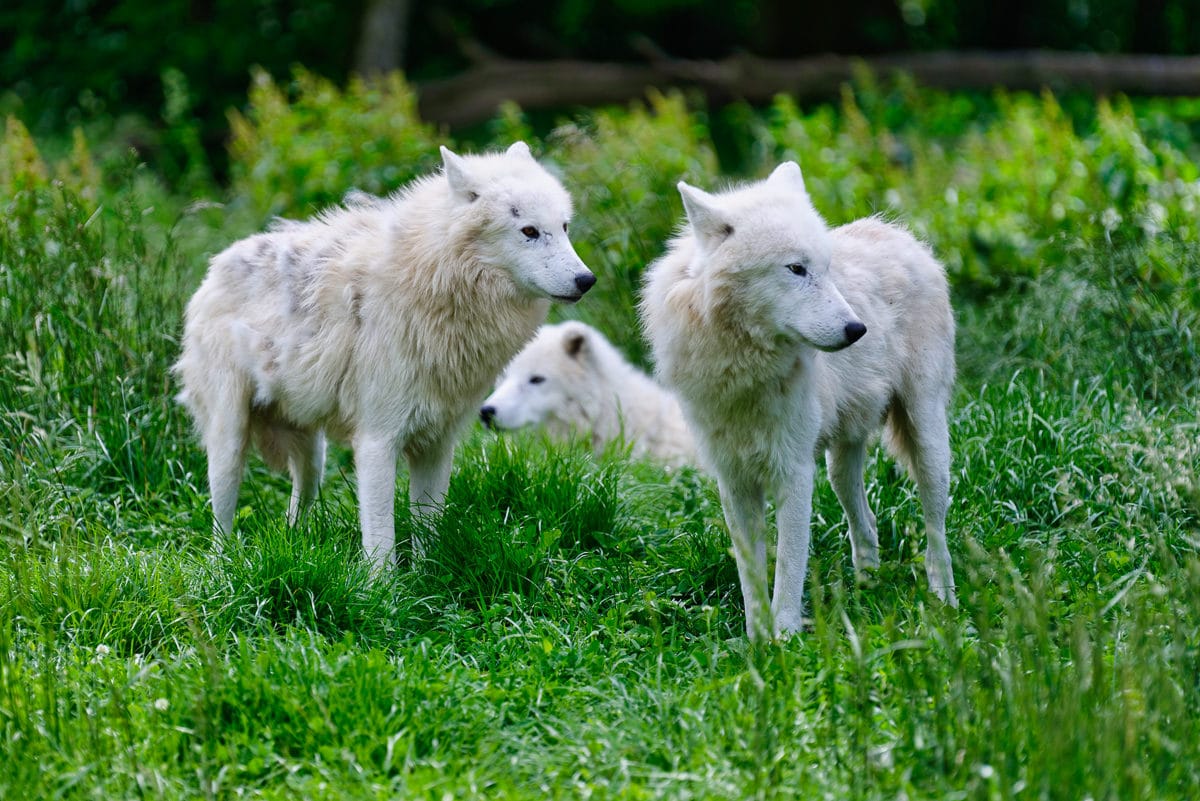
{"x": 762, "y": 362}
{"x": 570, "y": 380}
{"x": 382, "y": 323}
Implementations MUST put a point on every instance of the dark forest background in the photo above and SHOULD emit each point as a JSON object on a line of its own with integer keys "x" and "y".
{"x": 67, "y": 61}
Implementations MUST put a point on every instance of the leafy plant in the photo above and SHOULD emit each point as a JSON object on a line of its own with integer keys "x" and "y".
{"x": 996, "y": 187}
{"x": 301, "y": 146}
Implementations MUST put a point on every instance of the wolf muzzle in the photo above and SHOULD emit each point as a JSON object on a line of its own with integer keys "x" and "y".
{"x": 487, "y": 415}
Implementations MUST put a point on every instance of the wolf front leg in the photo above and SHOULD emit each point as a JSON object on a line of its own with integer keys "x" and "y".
{"x": 745, "y": 516}
{"x": 375, "y": 465}
{"x": 428, "y": 480}
{"x": 794, "y": 518}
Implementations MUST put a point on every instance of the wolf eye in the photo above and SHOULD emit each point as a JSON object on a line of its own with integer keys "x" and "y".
{"x": 536, "y": 379}
{"x": 798, "y": 269}
{"x": 530, "y": 232}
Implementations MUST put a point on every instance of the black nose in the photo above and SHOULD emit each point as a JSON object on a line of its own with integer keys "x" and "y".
{"x": 486, "y": 414}
{"x": 584, "y": 281}
{"x": 854, "y": 332}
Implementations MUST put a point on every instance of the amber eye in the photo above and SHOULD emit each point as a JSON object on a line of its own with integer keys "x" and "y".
{"x": 798, "y": 269}
{"x": 530, "y": 232}
{"x": 537, "y": 379}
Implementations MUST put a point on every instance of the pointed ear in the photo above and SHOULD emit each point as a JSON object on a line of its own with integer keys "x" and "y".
{"x": 574, "y": 343}
{"x": 707, "y": 221}
{"x": 457, "y": 174}
{"x": 519, "y": 149}
{"x": 788, "y": 174}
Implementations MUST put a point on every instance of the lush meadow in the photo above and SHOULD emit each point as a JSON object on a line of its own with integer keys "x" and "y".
{"x": 576, "y": 631}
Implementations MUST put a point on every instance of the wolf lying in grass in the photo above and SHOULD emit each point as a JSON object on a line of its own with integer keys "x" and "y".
{"x": 783, "y": 338}
{"x": 381, "y": 323}
{"x": 571, "y": 380}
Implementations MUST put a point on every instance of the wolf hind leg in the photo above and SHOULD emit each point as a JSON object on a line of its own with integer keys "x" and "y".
{"x": 306, "y": 464}
{"x": 844, "y": 461}
{"x": 924, "y": 432}
{"x": 300, "y": 451}
{"x": 428, "y": 481}
{"x": 226, "y": 439}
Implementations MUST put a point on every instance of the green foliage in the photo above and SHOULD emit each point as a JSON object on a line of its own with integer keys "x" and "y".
{"x": 21, "y": 166}
{"x": 24, "y": 171}
{"x": 274, "y": 577}
{"x": 577, "y": 630}
{"x": 185, "y": 161}
{"x": 998, "y": 191}
{"x": 64, "y": 64}
{"x": 301, "y": 146}
{"x": 91, "y": 298}
{"x": 504, "y": 534}
{"x": 69, "y": 63}
{"x": 1096, "y": 315}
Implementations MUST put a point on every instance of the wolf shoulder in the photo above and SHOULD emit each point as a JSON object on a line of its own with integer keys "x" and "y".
{"x": 886, "y": 249}
{"x": 877, "y": 261}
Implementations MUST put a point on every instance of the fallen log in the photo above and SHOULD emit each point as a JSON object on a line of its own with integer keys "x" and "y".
{"x": 475, "y": 95}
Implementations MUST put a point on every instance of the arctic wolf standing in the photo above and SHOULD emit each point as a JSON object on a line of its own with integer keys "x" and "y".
{"x": 382, "y": 323}
{"x": 749, "y": 312}
{"x": 570, "y": 379}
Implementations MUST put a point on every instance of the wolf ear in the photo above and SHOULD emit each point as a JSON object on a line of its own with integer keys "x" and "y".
{"x": 788, "y": 175}
{"x": 460, "y": 180}
{"x": 574, "y": 342}
{"x": 707, "y": 221}
{"x": 519, "y": 149}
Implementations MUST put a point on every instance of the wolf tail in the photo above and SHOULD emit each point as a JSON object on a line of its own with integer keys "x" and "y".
{"x": 898, "y": 436}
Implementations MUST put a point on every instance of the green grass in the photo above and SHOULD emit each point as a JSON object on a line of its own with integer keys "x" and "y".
{"x": 577, "y": 630}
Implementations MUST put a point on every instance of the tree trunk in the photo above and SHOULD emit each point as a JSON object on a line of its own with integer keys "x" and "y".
{"x": 382, "y": 40}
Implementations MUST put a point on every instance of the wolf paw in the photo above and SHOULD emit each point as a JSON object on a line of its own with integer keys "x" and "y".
{"x": 945, "y": 594}
{"x": 865, "y": 559}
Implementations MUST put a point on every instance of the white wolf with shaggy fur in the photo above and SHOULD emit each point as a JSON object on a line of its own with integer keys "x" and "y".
{"x": 570, "y": 380}
{"x": 784, "y": 338}
{"x": 382, "y": 324}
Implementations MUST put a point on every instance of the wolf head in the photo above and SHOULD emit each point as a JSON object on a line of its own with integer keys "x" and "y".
{"x": 546, "y": 380}
{"x": 764, "y": 254}
{"x": 524, "y": 213}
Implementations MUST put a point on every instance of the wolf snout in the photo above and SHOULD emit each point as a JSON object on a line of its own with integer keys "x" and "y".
{"x": 585, "y": 281}
{"x": 854, "y": 332}
{"x": 487, "y": 416}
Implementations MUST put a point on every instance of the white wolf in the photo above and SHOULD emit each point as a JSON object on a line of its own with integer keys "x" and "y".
{"x": 570, "y": 380}
{"x": 382, "y": 323}
{"x": 748, "y": 313}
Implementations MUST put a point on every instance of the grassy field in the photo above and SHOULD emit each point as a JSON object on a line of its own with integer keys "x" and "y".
{"x": 577, "y": 630}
